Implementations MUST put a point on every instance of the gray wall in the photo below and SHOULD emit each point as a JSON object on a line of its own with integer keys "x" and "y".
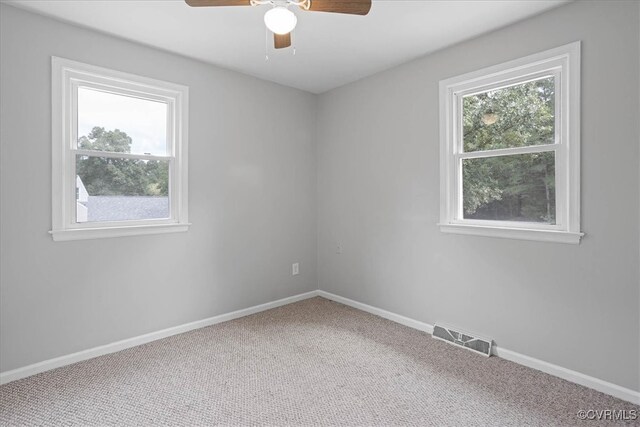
{"x": 251, "y": 201}
{"x": 378, "y": 187}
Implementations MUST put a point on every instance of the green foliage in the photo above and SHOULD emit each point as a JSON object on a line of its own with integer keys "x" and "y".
{"x": 101, "y": 140}
{"x": 514, "y": 187}
{"x": 103, "y": 176}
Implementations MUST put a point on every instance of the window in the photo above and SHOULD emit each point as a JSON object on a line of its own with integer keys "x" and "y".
{"x": 119, "y": 153}
{"x": 510, "y": 149}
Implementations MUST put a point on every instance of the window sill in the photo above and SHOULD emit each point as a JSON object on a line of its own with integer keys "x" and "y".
{"x": 122, "y": 231}
{"x": 514, "y": 233}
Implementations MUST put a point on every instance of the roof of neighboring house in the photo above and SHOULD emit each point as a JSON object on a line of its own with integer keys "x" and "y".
{"x": 122, "y": 208}
{"x": 82, "y": 193}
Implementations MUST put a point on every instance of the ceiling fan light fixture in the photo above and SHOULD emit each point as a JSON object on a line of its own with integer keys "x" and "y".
{"x": 489, "y": 118}
{"x": 280, "y": 20}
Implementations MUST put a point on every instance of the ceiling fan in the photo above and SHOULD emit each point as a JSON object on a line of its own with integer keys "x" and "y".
{"x": 281, "y": 21}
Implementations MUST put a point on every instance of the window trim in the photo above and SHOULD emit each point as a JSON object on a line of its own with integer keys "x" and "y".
{"x": 67, "y": 75}
{"x": 564, "y": 64}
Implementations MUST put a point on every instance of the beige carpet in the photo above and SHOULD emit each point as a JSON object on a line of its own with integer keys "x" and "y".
{"x": 315, "y": 362}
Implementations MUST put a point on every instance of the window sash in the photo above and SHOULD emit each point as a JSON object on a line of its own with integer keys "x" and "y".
{"x": 459, "y": 201}
{"x": 73, "y": 151}
{"x": 117, "y": 155}
{"x": 508, "y": 151}
{"x": 128, "y": 91}
{"x": 72, "y": 207}
{"x": 502, "y": 84}
{"x": 558, "y": 148}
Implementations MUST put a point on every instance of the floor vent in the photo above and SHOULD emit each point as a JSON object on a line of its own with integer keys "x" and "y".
{"x": 462, "y": 339}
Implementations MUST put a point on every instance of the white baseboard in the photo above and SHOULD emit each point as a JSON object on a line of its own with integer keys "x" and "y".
{"x": 569, "y": 375}
{"x": 549, "y": 368}
{"x": 58, "y": 362}
{"x": 540, "y": 365}
{"x": 406, "y": 321}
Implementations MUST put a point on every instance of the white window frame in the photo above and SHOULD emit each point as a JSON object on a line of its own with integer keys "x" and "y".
{"x": 67, "y": 76}
{"x": 563, "y": 63}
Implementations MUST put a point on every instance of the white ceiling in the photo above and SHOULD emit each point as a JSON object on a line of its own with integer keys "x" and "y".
{"x": 331, "y": 49}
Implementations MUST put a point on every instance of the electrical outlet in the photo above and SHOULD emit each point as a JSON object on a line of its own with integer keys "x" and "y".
{"x": 295, "y": 269}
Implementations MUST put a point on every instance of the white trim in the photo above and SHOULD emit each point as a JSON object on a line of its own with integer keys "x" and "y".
{"x": 121, "y": 231}
{"x": 539, "y": 235}
{"x": 530, "y": 362}
{"x": 549, "y": 368}
{"x": 563, "y": 63}
{"x": 505, "y": 151}
{"x": 47, "y": 365}
{"x": 567, "y": 374}
{"x": 66, "y": 76}
{"x": 108, "y": 154}
{"x": 406, "y": 321}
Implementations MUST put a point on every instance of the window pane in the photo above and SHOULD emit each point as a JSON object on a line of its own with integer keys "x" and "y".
{"x": 510, "y": 188}
{"x": 121, "y": 189}
{"x": 515, "y": 116}
{"x": 110, "y": 122}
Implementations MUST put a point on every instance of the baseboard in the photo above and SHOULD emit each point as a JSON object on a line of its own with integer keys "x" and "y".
{"x": 549, "y": 368}
{"x": 58, "y": 362}
{"x": 540, "y": 365}
{"x": 569, "y": 375}
{"x": 406, "y": 321}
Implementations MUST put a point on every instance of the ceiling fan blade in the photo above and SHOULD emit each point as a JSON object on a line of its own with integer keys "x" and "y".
{"x": 199, "y": 3}
{"x": 281, "y": 41}
{"x": 352, "y": 7}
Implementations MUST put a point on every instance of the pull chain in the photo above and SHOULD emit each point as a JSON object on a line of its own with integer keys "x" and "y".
{"x": 293, "y": 36}
{"x": 266, "y": 44}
